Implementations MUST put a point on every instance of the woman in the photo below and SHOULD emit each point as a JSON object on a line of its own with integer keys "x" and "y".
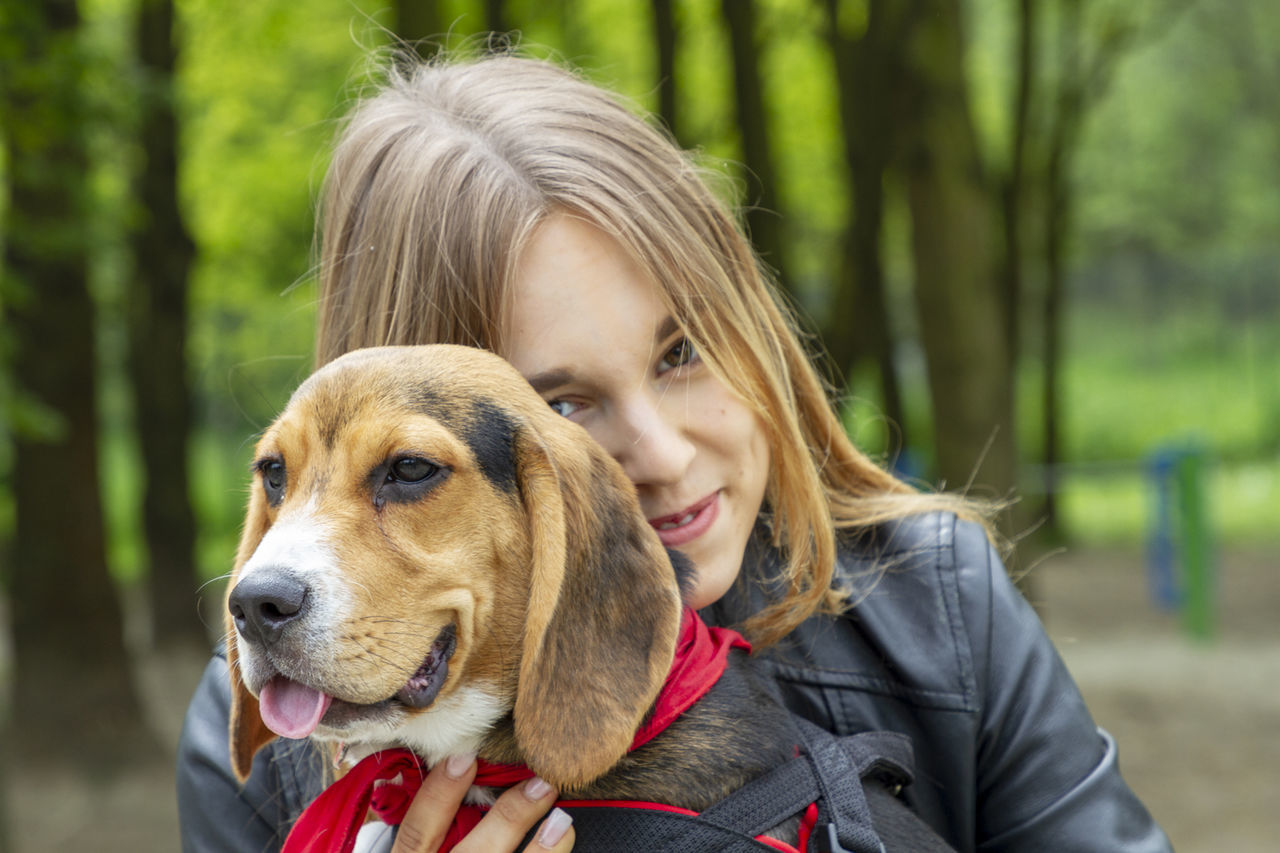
{"x": 506, "y": 204}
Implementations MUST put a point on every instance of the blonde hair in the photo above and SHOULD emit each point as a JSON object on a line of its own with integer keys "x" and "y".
{"x": 436, "y": 184}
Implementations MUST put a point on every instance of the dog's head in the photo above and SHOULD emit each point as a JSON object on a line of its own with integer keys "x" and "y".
{"x": 430, "y": 549}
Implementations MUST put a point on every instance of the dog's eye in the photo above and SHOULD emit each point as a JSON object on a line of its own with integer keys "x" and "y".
{"x": 408, "y": 479}
{"x": 410, "y": 469}
{"x": 273, "y": 478}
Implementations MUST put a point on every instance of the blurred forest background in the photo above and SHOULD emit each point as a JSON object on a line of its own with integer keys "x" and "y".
{"x": 1040, "y": 240}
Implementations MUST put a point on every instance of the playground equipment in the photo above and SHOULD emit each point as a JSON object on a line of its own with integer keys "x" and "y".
{"x": 1180, "y": 563}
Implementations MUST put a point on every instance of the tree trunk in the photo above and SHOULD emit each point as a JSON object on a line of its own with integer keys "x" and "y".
{"x": 1014, "y": 190}
{"x": 1063, "y": 133}
{"x": 664, "y": 41}
{"x": 1078, "y": 85}
{"x": 68, "y": 636}
{"x": 763, "y": 217}
{"x": 495, "y": 21}
{"x": 858, "y": 325}
{"x": 957, "y": 296}
{"x": 163, "y": 253}
{"x": 416, "y": 22}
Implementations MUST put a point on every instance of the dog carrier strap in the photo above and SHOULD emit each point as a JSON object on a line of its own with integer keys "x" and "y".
{"x": 822, "y": 775}
{"x": 769, "y": 800}
{"x": 635, "y": 830}
{"x": 886, "y": 757}
{"x": 765, "y": 802}
{"x": 844, "y": 817}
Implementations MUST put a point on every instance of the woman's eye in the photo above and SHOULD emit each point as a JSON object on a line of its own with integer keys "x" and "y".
{"x": 410, "y": 469}
{"x": 678, "y": 356}
{"x": 563, "y": 408}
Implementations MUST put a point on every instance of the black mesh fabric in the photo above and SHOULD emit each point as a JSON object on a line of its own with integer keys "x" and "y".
{"x": 846, "y": 823}
{"x": 627, "y": 830}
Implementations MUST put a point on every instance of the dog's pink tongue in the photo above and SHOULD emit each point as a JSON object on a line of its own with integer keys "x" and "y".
{"x": 291, "y": 709}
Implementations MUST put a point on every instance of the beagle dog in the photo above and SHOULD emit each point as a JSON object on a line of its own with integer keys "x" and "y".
{"x": 435, "y": 559}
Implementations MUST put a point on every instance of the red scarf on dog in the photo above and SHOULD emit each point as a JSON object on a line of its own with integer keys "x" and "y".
{"x": 386, "y": 781}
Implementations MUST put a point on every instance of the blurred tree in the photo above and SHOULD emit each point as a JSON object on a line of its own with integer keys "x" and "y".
{"x": 664, "y": 42}
{"x": 418, "y": 23}
{"x": 858, "y": 325}
{"x": 764, "y": 221}
{"x": 1085, "y": 66}
{"x": 67, "y": 626}
{"x": 1060, "y": 146}
{"x": 1013, "y": 189}
{"x": 962, "y": 326}
{"x": 495, "y": 20}
{"x": 157, "y": 332}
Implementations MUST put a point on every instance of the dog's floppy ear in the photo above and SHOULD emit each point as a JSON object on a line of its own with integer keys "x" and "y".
{"x": 603, "y": 613}
{"x": 248, "y": 733}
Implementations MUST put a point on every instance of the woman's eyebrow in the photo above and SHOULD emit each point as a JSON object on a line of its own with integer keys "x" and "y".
{"x": 666, "y": 329}
{"x": 550, "y": 379}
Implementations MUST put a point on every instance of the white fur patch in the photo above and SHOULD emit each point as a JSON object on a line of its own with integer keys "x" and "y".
{"x": 453, "y": 725}
{"x": 299, "y": 546}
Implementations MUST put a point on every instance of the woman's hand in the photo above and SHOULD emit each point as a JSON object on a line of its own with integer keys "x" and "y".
{"x": 511, "y": 817}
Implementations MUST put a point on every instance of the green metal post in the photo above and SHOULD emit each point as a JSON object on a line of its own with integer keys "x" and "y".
{"x": 1199, "y": 583}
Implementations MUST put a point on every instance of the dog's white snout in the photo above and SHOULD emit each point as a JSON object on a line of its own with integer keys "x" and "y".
{"x": 290, "y": 593}
{"x": 266, "y": 603}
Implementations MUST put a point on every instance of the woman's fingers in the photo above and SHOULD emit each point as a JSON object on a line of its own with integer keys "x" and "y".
{"x": 555, "y": 834}
{"x": 427, "y": 821}
{"x": 434, "y": 806}
{"x": 513, "y": 815}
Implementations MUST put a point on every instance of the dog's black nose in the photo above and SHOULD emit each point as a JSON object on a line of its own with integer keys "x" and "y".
{"x": 264, "y": 604}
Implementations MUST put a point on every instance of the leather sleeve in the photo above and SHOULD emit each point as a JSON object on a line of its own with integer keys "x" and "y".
{"x": 216, "y": 813}
{"x": 1047, "y": 775}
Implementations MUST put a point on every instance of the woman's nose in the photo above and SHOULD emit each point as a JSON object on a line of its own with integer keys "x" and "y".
{"x": 651, "y": 443}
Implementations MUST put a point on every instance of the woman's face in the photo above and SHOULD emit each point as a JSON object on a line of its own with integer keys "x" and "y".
{"x": 588, "y": 330}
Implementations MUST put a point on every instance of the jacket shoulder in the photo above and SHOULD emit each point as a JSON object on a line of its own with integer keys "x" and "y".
{"x": 913, "y": 536}
{"x": 921, "y": 594}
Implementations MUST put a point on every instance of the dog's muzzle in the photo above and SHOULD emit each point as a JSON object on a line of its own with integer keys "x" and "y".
{"x": 269, "y": 610}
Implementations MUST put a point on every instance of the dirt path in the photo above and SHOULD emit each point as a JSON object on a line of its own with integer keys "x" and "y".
{"x": 1198, "y": 725}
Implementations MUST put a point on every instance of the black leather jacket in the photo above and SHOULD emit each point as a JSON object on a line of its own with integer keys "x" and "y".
{"x": 942, "y": 648}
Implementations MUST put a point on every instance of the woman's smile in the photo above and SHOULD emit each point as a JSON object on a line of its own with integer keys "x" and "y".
{"x": 680, "y": 528}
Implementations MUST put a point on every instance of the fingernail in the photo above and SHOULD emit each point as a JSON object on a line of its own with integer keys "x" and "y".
{"x": 554, "y": 828}
{"x": 456, "y": 766}
{"x": 536, "y": 788}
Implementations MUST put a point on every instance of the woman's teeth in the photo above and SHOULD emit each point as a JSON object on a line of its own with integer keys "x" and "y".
{"x": 672, "y": 525}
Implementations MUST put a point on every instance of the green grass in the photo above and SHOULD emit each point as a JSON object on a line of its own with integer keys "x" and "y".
{"x": 1135, "y": 384}
{"x": 1242, "y": 504}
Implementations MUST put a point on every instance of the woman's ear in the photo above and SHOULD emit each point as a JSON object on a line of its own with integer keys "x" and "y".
{"x": 248, "y": 733}
{"x": 603, "y": 614}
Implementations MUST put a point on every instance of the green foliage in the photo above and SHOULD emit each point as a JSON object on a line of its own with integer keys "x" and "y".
{"x": 800, "y": 85}
{"x": 260, "y": 90}
{"x": 1175, "y": 314}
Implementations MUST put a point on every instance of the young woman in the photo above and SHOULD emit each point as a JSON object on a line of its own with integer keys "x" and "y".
{"x": 504, "y": 203}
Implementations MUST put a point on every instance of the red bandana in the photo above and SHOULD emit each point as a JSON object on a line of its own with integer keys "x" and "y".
{"x": 386, "y": 781}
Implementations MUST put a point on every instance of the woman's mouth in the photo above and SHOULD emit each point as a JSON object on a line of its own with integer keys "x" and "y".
{"x": 681, "y": 528}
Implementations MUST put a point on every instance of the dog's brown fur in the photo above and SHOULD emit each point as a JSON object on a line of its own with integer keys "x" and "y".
{"x": 565, "y": 605}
